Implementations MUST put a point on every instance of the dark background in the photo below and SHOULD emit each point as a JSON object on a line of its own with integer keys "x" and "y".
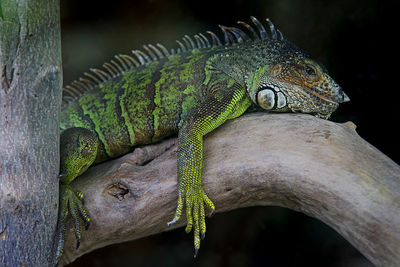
{"x": 353, "y": 39}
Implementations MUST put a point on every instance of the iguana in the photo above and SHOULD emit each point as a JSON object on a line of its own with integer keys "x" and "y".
{"x": 142, "y": 98}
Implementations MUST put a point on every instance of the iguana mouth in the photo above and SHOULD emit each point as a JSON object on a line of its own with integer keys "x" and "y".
{"x": 337, "y": 98}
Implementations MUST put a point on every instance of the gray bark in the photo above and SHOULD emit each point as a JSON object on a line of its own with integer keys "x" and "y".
{"x": 317, "y": 167}
{"x": 30, "y": 99}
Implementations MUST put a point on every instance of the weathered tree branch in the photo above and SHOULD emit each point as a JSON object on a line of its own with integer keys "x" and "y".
{"x": 318, "y": 167}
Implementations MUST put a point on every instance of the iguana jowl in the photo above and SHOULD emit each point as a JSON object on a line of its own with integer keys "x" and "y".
{"x": 143, "y": 98}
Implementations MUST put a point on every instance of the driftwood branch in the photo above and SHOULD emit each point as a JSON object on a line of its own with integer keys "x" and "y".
{"x": 317, "y": 167}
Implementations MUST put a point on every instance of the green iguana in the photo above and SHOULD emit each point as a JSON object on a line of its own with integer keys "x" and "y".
{"x": 140, "y": 99}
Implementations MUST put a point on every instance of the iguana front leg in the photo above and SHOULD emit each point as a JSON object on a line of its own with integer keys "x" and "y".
{"x": 216, "y": 109}
{"x": 78, "y": 150}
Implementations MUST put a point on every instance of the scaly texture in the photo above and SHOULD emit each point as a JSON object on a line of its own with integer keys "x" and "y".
{"x": 146, "y": 97}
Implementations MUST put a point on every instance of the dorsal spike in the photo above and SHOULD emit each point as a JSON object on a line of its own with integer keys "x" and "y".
{"x": 81, "y": 85}
{"x": 205, "y": 39}
{"x": 165, "y": 50}
{"x": 250, "y": 29}
{"x": 214, "y": 38}
{"x": 191, "y": 41}
{"x": 72, "y": 91}
{"x": 120, "y": 69}
{"x": 274, "y": 34}
{"x": 281, "y": 37}
{"x": 260, "y": 27}
{"x": 227, "y": 36}
{"x": 66, "y": 98}
{"x": 110, "y": 68}
{"x": 239, "y": 34}
{"x": 130, "y": 60}
{"x": 200, "y": 42}
{"x": 139, "y": 57}
{"x": 155, "y": 49}
{"x": 181, "y": 46}
{"x": 196, "y": 38}
{"x": 144, "y": 55}
{"x": 150, "y": 53}
{"x": 187, "y": 43}
{"x": 103, "y": 73}
{"x": 88, "y": 84}
{"x": 121, "y": 62}
{"x": 94, "y": 78}
{"x": 128, "y": 63}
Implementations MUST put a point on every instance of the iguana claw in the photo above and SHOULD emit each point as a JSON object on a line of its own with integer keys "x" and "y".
{"x": 212, "y": 212}
{"x": 172, "y": 222}
{"x": 194, "y": 199}
{"x": 70, "y": 202}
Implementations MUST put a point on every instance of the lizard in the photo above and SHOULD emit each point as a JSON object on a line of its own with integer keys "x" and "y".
{"x": 190, "y": 91}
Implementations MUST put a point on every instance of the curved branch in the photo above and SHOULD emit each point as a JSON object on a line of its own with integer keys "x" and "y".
{"x": 318, "y": 167}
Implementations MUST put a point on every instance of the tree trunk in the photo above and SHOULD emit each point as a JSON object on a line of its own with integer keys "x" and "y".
{"x": 314, "y": 166}
{"x": 30, "y": 99}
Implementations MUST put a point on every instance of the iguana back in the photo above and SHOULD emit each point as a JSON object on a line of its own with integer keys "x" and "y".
{"x": 140, "y": 105}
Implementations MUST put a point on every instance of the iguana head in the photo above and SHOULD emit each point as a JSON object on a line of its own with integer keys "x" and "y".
{"x": 281, "y": 77}
{"x": 297, "y": 84}
{"x": 78, "y": 150}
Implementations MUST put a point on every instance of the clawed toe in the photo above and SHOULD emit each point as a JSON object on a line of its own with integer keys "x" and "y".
{"x": 70, "y": 203}
{"x": 78, "y": 243}
{"x": 195, "y": 200}
{"x": 211, "y": 213}
{"x": 172, "y": 222}
{"x": 87, "y": 225}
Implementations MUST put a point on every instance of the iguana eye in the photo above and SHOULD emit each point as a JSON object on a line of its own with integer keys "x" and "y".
{"x": 310, "y": 70}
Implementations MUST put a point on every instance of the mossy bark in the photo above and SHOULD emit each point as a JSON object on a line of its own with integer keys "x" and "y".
{"x": 30, "y": 99}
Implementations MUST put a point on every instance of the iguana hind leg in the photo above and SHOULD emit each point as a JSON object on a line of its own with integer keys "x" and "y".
{"x": 78, "y": 150}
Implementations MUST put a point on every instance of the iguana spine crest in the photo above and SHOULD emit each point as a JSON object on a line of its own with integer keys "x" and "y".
{"x": 123, "y": 63}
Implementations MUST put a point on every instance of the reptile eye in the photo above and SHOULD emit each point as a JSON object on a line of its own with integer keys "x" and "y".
{"x": 310, "y": 70}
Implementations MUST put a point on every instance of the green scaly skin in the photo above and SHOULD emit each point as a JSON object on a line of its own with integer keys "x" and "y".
{"x": 78, "y": 149}
{"x": 190, "y": 93}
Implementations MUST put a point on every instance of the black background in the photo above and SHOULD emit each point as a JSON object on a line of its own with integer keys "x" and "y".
{"x": 355, "y": 40}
